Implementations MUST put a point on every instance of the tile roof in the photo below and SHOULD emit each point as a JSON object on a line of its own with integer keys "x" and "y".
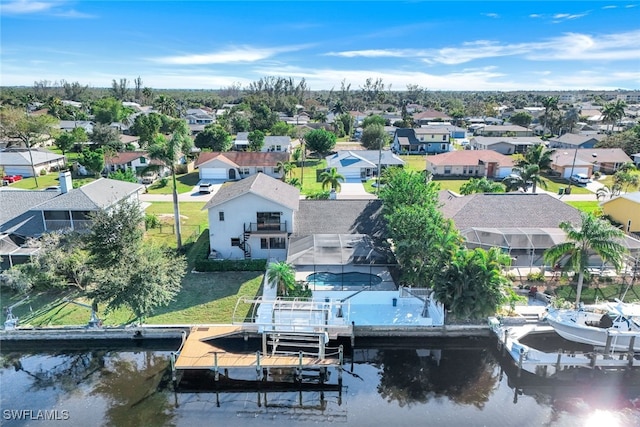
{"x": 245, "y": 158}
{"x": 339, "y": 217}
{"x": 469, "y": 157}
{"x": 261, "y": 185}
{"x": 507, "y": 210}
{"x": 124, "y": 157}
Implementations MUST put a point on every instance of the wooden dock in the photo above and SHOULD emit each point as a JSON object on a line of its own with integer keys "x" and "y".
{"x": 199, "y": 352}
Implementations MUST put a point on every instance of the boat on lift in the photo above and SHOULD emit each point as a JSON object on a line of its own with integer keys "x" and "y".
{"x": 614, "y": 326}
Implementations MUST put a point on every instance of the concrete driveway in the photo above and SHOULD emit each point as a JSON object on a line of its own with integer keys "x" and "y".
{"x": 354, "y": 190}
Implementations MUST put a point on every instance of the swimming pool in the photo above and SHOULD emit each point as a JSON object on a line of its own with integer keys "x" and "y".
{"x": 353, "y": 278}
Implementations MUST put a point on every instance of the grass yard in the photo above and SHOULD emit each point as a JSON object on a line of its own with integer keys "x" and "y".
{"x": 204, "y": 298}
{"x": 185, "y": 184}
{"x": 554, "y": 183}
{"x": 414, "y": 162}
{"x": 589, "y": 207}
{"x": 309, "y": 180}
{"x": 48, "y": 180}
{"x": 194, "y": 221}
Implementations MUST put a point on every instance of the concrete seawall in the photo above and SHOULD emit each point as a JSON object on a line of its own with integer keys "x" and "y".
{"x": 176, "y": 331}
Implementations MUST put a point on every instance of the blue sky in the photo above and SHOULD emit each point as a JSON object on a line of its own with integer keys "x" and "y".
{"x": 452, "y": 45}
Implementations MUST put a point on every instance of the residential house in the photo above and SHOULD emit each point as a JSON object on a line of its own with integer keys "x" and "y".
{"x": 573, "y": 141}
{"x": 587, "y": 161}
{"x": 421, "y": 141}
{"x": 636, "y": 159}
{"x": 470, "y": 163}
{"x": 252, "y": 218}
{"x": 361, "y": 165}
{"x": 197, "y": 119}
{"x": 624, "y": 209}
{"x": 503, "y": 131}
{"x": 241, "y": 142}
{"x": 17, "y": 161}
{"x": 504, "y": 144}
{"x": 136, "y": 161}
{"x": 277, "y": 143}
{"x": 26, "y": 213}
{"x": 455, "y": 132}
{"x": 430, "y": 115}
{"x": 69, "y": 125}
{"x": 234, "y": 165}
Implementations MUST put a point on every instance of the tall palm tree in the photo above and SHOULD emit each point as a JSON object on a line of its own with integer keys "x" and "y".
{"x": 594, "y": 235}
{"x": 539, "y": 157}
{"x": 285, "y": 168}
{"x": 282, "y": 275}
{"x": 331, "y": 178}
{"x": 550, "y": 103}
{"x": 167, "y": 151}
{"x": 613, "y": 111}
{"x": 166, "y": 105}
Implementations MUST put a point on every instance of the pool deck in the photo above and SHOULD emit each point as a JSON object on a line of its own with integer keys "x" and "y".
{"x": 387, "y": 284}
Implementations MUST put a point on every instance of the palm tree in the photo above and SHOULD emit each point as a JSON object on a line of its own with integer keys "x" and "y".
{"x": 167, "y": 151}
{"x": 480, "y": 185}
{"x": 594, "y": 235}
{"x": 550, "y": 103}
{"x": 571, "y": 118}
{"x": 166, "y": 105}
{"x": 613, "y": 111}
{"x": 612, "y": 190}
{"x": 282, "y": 275}
{"x": 285, "y": 168}
{"x": 539, "y": 157}
{"x": 331, "y": 178}
{"x": 513, "y": 183}
{"x": 338, "y": 108}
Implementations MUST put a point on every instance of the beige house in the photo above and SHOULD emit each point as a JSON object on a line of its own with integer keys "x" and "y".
{"x": 470, "y": 163}
{"x": 624, "y": 209}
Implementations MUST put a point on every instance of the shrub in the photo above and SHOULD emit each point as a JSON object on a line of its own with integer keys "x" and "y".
{"x": 151, "y": 221}
{"x": 43, "y": 172}
{"x": 535, "y": 276}
{"x": 204, "y": 265}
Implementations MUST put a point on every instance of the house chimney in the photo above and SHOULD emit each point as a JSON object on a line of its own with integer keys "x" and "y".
{"x": 65, "y": 182}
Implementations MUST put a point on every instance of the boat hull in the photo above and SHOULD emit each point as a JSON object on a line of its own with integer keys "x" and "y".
{"x": 578, "y": 332}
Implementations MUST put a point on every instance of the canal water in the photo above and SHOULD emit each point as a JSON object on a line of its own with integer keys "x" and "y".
{"x": 385, "y": 383}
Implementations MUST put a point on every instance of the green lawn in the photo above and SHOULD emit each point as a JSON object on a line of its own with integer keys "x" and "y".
{"x": 194, "y": 221}
{"x": 48, "y": 180}
{"x": 592, "y": 207}
{"x": 204, "y": 298}
{"x": 414, "y": 162}
{"x": 185, "y": 184}
{"x": 309, "y": 180}
{"x": 554, "y": 183}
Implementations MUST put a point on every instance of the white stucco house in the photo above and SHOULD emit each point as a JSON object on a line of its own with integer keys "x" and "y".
{"x": 16, "y": 161}
{"x": 234, "y": 165}
{"x": 277, "y": 143}
{"x": 252, "y": 218}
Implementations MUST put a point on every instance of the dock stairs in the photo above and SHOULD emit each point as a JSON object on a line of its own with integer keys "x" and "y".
{"x": 287, "y": 343}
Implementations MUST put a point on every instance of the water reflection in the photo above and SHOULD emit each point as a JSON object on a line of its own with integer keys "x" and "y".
{"x": 394, "y": 383}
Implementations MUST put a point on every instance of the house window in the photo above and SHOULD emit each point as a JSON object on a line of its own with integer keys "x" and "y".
{"x": 443, "y": 146}
{"x": 143, "y": 160}
{"x": 235, "y": 242}
{"x": 221, "y": 216}
{"x": 447, "y": 170}
{"x": 273, "y": 243}
{"x": 278, "y": 148}
{"x": 444, "y": 137}
{"x": 259, "y": 170}
{"x": 244, "y": 171}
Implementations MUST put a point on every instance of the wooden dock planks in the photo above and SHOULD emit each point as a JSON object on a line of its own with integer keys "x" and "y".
{"x": 197, "y": 353}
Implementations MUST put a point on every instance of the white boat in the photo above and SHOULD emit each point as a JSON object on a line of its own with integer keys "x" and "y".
{"x": 611, "y": 325}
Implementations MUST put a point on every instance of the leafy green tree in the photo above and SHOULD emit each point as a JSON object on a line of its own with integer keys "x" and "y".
{"x": 214, "y": 137}
{"x": 550, "y": 104}
{"x": 628, "y": 141}
{"x": 280, "y": 129}
{"x": 320, "y": 141}
{"x": 147, "y": 126}
{"x": 471, "y": 283}
{"x": 240, "y": 123}
{"x": 65, "y": 141}
{"x": 106, "y": 136}
{"x": 153, "y": 280}
{"x": 282, "y": 275}
{"x": 262, "y": 118}
{"x": 347, "y": 122}
{"x": 594, "y": 236}
{"x": 331, "y": 178}
{"x": 480, "y": 185}
{"x": 374, "y": 137}
{"x": 256, "y": 140}
{"x": 373, "y": 119}
{"x": 79, "y": 134}
{"x": 120, "y": 89}
{"x": 29, "y": 130}
{"x": 407, "y": 188}
{"x": 93, "y": 160}
{"x": 127, "y": 175}
{"x": 109, "y": 110}
{"x": 521, "y": 118}
{"x": 166, "y": 105}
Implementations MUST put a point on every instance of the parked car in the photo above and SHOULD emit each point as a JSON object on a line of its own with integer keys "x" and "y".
{"x": 149, "y": 177}
{"x": 205, "y": 187}
{"x": 10, "y": 179}
{"x": 579, "y": 178}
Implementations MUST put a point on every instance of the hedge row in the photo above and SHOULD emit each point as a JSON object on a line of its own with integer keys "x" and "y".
{"x": 231, "y": 265}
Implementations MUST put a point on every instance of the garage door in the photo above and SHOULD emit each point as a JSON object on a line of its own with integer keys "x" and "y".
{"x": 567, "y": 171}
{"x": 213, "y": 173}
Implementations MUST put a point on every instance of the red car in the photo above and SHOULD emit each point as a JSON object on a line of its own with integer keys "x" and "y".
{"x": 12, "y": 178}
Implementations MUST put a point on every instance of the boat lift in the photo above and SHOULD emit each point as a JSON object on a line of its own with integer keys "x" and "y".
{"x": 94, "y": 321}
{"x": 11, "y": 322}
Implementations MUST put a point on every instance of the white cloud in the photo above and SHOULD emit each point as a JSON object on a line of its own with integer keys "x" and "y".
{"x": 72, "y": 13}
{"x": 239, "y": 54}
{"x": 535, "y": 15}
{"x": 491, "y": 15}
{"x": 610, "y": 7}
{"x": 379, "y": 53}
{"x": 561, "y": 17}
{"x": 21, "y": 7}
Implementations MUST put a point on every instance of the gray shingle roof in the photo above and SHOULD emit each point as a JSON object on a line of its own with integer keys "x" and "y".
{"x": 15, "y": 214}
{"x": 20, "y": 157}
{"x": 507, "y": 210}
{"x": 261, "y": 185}
{"x": 339, "y": 217}
{"x": 96, "y": 195}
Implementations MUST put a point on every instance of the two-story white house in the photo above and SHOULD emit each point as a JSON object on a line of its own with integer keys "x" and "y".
{"x": 421, "y": 141}
{"x": 252, "y": 218}
{"x": 137, "y": 161}
{"x": 277, "y": 143}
